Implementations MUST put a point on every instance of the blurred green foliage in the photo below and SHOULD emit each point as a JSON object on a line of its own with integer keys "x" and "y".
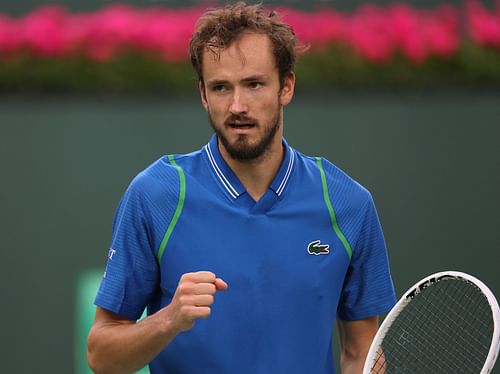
{"x": 334, "y": 68}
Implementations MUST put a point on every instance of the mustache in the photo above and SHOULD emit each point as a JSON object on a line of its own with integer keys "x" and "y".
{"x": 240, "y": 120}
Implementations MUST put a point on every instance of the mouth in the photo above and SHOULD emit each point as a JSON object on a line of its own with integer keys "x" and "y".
{"x": 240, "y": 124}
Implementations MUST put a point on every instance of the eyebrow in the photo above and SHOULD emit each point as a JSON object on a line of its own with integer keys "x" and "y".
{"x": 256, "y": 77}
{"x": 251, "y": 78}
{"x": 216, "y": 82}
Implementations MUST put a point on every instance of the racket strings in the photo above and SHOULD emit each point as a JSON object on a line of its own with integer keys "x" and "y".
{"x": 417, "y": 325}
{"x": 426, "y": 332}
{"x": 446, "y": 328}
{"x": 451, "y": 325}
{"x": 468, "y": 330}
{"x": 408, "y": 357}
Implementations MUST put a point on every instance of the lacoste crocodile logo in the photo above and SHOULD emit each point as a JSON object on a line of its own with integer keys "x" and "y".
{"x": 316, "y": 248}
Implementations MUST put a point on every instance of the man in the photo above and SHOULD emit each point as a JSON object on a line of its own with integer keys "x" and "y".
{"x": 293, "y": 242}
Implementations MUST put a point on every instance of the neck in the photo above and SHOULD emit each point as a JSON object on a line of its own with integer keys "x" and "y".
{"x": 257, "y": 175}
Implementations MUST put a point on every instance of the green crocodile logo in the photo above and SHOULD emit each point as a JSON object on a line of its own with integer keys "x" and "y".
{"x": 316, "y": 248}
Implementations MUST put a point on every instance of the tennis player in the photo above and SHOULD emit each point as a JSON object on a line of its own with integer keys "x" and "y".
{"x": 246, "y": 252}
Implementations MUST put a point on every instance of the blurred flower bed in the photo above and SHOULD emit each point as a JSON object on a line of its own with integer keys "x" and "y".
{"x": 124, "y": 49}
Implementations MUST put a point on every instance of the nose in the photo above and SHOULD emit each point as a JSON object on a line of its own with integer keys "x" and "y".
{"x": 238, "y": 103}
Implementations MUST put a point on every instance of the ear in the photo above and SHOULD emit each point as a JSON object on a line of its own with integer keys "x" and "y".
{"x": 286, "y": 93}
{"x": 203, "y": 94}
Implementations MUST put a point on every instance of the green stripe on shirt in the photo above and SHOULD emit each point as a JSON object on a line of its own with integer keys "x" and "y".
{"x": 178, "y": 210}
{"x": 328, "y": 203}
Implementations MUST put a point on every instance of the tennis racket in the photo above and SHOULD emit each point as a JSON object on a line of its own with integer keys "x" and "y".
{"x": 448, "y": 323}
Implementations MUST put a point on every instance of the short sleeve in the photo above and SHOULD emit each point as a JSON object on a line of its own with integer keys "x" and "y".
{"x": 132, "y": 274}
{"x": 368, "y": 289}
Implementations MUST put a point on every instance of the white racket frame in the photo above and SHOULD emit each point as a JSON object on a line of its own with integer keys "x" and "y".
{"x": 416, "y": 289}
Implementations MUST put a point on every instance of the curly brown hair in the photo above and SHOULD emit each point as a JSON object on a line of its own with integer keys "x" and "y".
{"x": 218, "y": 28}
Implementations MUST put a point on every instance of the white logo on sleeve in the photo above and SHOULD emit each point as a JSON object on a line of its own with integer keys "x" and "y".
{"x": 111, "y": 253}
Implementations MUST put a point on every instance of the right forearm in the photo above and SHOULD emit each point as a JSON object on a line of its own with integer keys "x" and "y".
{"x": 127, "y": 347}
{"x": 119, "y": 345}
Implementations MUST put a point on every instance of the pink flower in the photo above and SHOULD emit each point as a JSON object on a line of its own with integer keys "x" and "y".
{"x": 483, "y": 26}
{"x": 111, "y": 31}
{"x": 319, "y": 29}
{"x": 42, "y": 31}
{"x": 441, "y": 31}
{"x": 406, "y": 25}
{"x": 375, "y": 33}
{"x": 9, "y": 41}
{"x": 168, "y": 32}
{"x": 371, "y": 35}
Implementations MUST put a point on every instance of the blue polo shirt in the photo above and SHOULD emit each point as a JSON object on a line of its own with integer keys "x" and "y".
{"x": 311, "y": 250}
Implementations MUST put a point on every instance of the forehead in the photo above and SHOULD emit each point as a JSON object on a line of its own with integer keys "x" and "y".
{"x": 250, "y": 53}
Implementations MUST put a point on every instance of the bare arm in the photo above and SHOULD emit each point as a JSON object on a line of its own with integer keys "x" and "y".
{"x": 355, "y": 339}
{"x": 118, "y": 345}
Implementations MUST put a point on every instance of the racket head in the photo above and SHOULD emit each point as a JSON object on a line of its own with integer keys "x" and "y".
{"x": 376, "y": 360}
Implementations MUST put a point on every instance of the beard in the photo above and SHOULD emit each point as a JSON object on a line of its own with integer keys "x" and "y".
{"x": 241, "y": 149}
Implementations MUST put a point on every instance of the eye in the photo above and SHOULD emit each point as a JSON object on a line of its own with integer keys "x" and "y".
{"x": 255, "y": 85}
{"x": 218, "y": 88}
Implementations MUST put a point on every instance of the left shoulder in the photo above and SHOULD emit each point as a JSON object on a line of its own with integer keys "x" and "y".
{"x": 338, "y": 182}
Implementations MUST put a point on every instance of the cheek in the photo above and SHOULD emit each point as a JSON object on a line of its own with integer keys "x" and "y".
{"x": 215, "y": 111}
{"x": 273, "y": 105}
{"x": 266, "y": 103}
{"x": 217, "y": 104}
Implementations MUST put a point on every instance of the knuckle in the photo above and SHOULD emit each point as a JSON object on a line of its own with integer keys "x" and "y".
{"x": 185, "y": 310}
{"x": 183, "y": 288}
{"x": 207, "y": 276}
{"x": 203, "y": 311}
{"x": 186, "y": 277}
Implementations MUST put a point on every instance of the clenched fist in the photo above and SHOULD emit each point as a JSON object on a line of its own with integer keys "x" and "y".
{"x": 193, "y": 297}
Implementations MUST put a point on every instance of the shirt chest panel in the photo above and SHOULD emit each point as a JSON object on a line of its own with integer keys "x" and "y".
{"x": 253, "y": 251}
